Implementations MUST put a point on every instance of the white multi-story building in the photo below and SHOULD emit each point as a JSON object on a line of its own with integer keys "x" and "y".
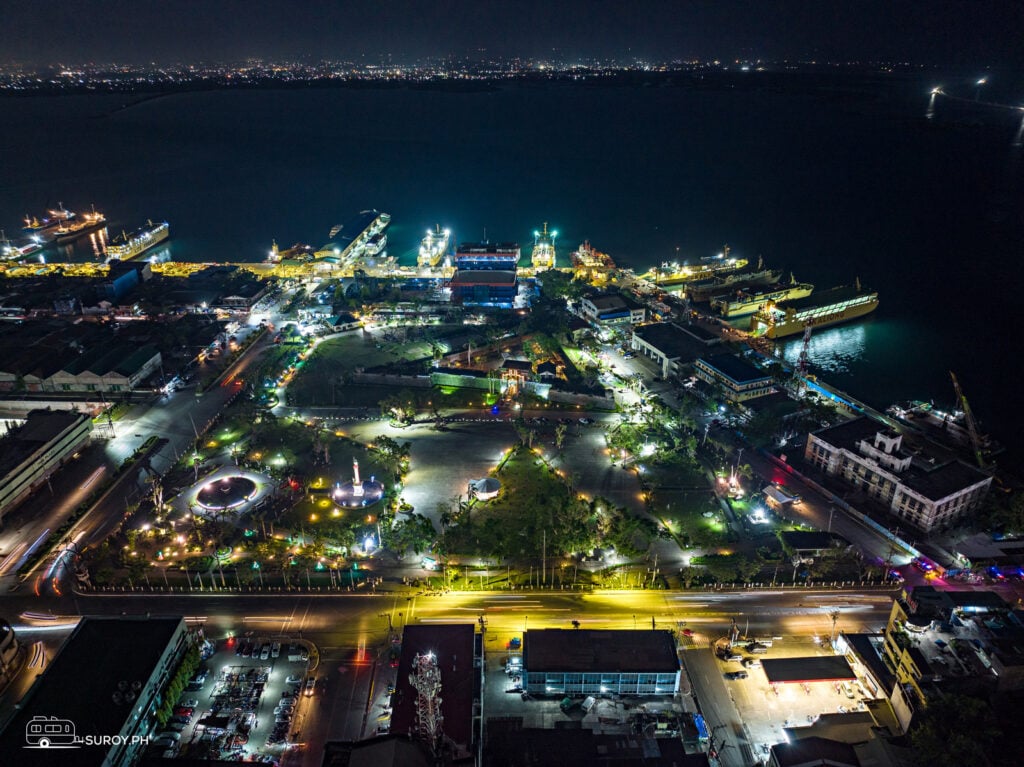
{"x": 926, "y": 492}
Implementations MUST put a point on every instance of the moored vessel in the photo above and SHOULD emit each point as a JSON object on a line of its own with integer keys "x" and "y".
{"x": 128, "y": 246}
{"x": 829, "y": 307}
{"x": 543, "y": 255}
{"x": 433, "y": 247}
{"x": 68, "y": 230}
{"x": 590, "y": 264}
{"x": 747, "y": 301}
{"x": 673, "y": 273}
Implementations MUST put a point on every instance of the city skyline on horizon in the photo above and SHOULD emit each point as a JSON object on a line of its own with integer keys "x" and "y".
{"x": 403, "y": 32}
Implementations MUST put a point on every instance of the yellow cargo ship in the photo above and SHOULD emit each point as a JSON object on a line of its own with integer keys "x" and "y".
{"x": 821, "y": 310}
{"x": 675, "y": 274}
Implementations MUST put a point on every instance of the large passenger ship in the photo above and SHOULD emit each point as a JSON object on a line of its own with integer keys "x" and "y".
{"x": 829, "y": 307}
{"x": 130, "y": 245}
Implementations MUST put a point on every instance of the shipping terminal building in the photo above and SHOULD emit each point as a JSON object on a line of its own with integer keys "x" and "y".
{"x": 923, "y": 489}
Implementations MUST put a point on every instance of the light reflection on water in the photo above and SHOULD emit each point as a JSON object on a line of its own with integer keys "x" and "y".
{"x": 833, "y": 350}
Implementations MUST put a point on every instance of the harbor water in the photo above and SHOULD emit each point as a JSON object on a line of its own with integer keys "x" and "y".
{"x": 831, "y": 182}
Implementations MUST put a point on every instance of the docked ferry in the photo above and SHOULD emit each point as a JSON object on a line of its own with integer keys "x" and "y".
{"x": 829, "y": 307}
{"x": 673, "y": 273}
{"x": 739, "y": 279}
{"x": 128, "y": 246}
{"x": 69, "y": 230}
{"x": 348, "y": 241}
{"x": 543, "y": 256}
{"x": 748, "y": 301}
{"x": 375, "y": 244}
{"x": 433, "y": 247}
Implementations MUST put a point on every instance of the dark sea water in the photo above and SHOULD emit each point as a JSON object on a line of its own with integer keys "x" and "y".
{"x": 832, "y": 183}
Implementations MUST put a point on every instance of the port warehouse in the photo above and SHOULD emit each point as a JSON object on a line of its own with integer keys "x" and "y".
{"x": 31, "y": 452}
{"x": 597, "y": 662}
{"x": 928, "y": 487}
{"x": 134, "y": 657}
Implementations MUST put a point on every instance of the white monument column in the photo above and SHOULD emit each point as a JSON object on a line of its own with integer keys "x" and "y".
{"x": 357, "y": 483}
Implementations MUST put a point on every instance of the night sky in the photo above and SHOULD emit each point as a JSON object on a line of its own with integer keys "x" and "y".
{"x": 939, "y": 32}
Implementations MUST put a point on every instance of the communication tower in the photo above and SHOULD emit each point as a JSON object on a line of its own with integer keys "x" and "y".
{"x": 426, "y": 680}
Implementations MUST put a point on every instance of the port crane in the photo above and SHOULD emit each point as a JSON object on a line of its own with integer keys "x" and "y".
{"x": 972, "y": 427}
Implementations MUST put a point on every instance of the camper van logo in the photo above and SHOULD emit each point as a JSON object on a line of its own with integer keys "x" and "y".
{"x": 51, "y": 732}
{"x": 54, "y": 732}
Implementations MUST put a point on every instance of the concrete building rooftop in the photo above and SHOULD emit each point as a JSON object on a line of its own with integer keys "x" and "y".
{"x": 735, "y": 368}
{"x": 585, "y": 650}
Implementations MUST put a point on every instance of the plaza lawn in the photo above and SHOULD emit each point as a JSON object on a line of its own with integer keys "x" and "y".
{"x": 329, "y": 364}
{"x": 680, "y": 495}
{"x": 536, "y": 513}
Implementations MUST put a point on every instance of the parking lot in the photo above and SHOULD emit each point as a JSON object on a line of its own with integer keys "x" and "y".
{"x": 249, "y": 701}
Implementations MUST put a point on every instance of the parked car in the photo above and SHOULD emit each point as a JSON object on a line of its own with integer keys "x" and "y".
{"x": 188, "y": 702}
{"x": 183, "y": 711}
{"x": 265, "y": 652}
{"x": 275, "y": 649}
{"x": 294, "y": 679}
{"x": 180, "y": 719}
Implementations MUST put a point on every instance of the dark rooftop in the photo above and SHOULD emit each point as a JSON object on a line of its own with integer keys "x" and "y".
{"x": 702, "y": 334}
{"x": 524, "y": 365}
{"x": 943, "y": 481}
{"x": 823, "y": 668}
{"x": 809, "y": 752}
{"x": 849, "y": 434}
{"x": 484, "y": 277}
{"x": 866, "y": 646}
{"x": 670, "y": 339}
{"x": 452, "y": 645}
{"x": 40, "y": 427}
{"x": 735, "y": 368}
{"x": 599, "y": 650}
{"x": 80, "y": 680}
